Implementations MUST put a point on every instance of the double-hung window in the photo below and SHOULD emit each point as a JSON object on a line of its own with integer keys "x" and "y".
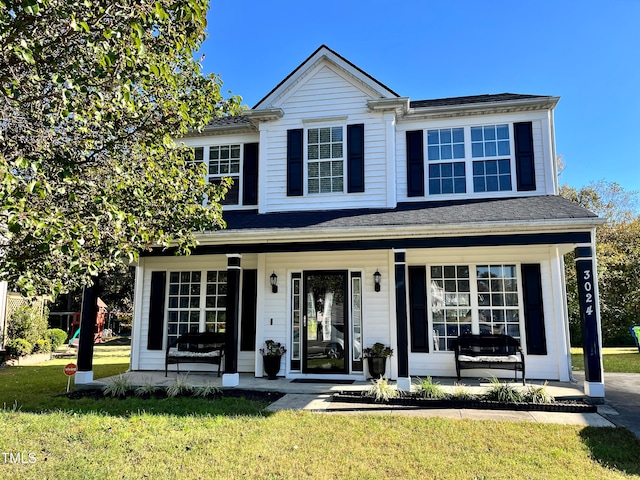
{"x": 444, "y": 147}
{"x": 325, "y": 160}
{"x": 225, "y": 161}
{"x": 469, "y": 159}
{"x": 491, "y": 152}
{"x": 482, "y": 298}
{"x": 196, "y": 302}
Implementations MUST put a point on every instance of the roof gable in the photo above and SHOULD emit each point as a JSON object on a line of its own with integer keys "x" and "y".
{"x": 324, "y": 54}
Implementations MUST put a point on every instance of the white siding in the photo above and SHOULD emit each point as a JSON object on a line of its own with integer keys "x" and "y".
{"x": 324, "y": 97}
{"x": 541, "y": 146}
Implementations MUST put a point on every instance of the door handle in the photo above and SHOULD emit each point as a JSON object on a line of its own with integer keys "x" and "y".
{"x": 304, "y": 321}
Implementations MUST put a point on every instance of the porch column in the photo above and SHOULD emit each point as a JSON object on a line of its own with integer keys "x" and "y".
{"x": 590, "y": 320}
{"x": 86, "y": 337}
{"x": 231, "y": 377}
{"x": 402, "y": 350}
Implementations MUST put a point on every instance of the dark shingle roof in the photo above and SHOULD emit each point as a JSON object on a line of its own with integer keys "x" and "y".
{"x": 235, "y": 120}
{"x": 520, "y": 209}
{"x": 445, "y": 102}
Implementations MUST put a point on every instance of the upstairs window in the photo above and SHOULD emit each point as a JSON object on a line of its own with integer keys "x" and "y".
{"x": 493, "y": 175}
{"x": 224, "y": 161}
{"x": 325, "y": 160}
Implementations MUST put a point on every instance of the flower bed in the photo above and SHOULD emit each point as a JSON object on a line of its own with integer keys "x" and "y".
{"x": 566, "y": 406}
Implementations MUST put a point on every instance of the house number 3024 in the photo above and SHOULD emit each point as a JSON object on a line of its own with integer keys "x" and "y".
{"x": 588, "y": 287}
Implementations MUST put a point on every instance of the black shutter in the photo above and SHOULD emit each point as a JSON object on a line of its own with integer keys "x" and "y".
{"x": 415, "y": 164}
{"x": 418, "y": 309}
{"x": 248, "y": 319}
{"x": 533, "y": 309}
{"x": 525, "y": 164}
{"x": 355, "y": 158}
{"x": 156, "y": 311}
{"x": 294, "y": 163}
{"x": 250, "y": 174}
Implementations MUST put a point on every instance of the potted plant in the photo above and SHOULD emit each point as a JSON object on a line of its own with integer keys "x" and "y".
{"x": 271, "y": 355}
{"x": 377, "y": 359}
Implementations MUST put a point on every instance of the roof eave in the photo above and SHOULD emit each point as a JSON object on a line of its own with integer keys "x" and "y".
{"x": 483, "y": 108}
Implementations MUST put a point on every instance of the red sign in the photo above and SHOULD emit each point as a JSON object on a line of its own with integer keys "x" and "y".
{"x": 70, "y": 369}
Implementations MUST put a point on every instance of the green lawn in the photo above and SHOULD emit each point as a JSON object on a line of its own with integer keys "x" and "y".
{"x": 193, "y": 438}
{"x": 618, "y": 359}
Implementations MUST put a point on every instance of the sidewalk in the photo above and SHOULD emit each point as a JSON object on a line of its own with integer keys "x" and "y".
{"x": 322, "y": 404}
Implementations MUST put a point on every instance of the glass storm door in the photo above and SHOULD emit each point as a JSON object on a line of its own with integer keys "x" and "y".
{"x": 324, "y": 325}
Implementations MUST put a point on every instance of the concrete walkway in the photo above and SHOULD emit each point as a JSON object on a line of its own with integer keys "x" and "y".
{"x": 622, "y": 399}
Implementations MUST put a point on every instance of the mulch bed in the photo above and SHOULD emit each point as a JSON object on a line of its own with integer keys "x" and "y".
{"x": 566, "y": 406}
{"x": 256, "y": 396}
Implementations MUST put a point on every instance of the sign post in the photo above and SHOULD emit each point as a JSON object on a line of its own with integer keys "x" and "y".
{"x": 70, "y": 370}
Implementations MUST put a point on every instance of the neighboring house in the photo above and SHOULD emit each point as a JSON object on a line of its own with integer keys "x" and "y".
{"x": 360, "y": 216}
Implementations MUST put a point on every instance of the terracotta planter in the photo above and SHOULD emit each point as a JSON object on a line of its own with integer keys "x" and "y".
{"x": 271, "y": 365}
{"x": 377, "y": 366}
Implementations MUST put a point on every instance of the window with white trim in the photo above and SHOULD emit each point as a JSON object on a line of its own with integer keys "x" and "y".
{"x": 473, "y": 158}
{"x": 196, "y": 302}
{"x": 225, "y": 161}
{"x": 473, "y": 299}
{"x": 325, "y": 160}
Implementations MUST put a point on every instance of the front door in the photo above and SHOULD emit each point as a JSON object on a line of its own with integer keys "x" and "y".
{"x": 325, "y": 322}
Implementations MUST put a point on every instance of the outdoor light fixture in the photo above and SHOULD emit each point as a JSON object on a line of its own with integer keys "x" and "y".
{"x": 274, "y": 282}
{"x": 376, "y": 280}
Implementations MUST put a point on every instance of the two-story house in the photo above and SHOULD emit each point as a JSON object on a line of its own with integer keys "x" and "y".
{"x": 360, "y": 216}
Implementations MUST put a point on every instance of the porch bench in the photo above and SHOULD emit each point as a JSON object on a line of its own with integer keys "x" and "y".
{"x": 205, "y": 347}
{"x": 489, "y": 351}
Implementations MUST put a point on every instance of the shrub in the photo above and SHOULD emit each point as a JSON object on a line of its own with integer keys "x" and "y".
{"x": 57, "y": 337}
{"x": 28, "y": 323}
{"x": 503, "y": 392}
{"x": 538, "y": 394}
{"x": 428, "y": 389}
{"x": 381, "y": 390}
{"x": 206, "y": 391}
{"x": 180, "y": 386}
{"x": 19, "y": 347}
{"x": 41, "y": 346}
{"x": 118, "y": 387}
{"x": 147, "y": 389}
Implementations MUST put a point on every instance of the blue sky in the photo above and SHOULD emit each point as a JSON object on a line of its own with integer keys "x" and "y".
{"x": 586, "y": 52}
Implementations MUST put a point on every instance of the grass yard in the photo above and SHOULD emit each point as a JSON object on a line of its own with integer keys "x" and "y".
{"x": 56, "y": 437}
{"x": 614, "y": 359}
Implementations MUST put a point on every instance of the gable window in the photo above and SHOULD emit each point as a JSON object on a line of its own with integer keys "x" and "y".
{"x": 197, "y": 302}
{"x": 325, "y": 160}
{"x": 224, "y": 161}
{"x": 473, "y": 299}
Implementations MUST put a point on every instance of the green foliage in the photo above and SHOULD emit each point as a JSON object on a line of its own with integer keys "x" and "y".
{"x": 56, "y": 337}
{"x": 27, "y": 322}
{"x": 41, "y": 346}
{"x": 461, "y": 393}
{"x": 180, "y": 386}
{"x": 147, "y": 389}
{"x": 538, "y": 394}
{"x": 92, "y": 96}
{"x": 618, "y": 256}
{"x": 119, "y": 386}
{"x": 19, "y": 347}
{"x": 427, "y": 388}
{"x": 381, "y": 390}
{"x": 378, "y": 350}
{"x": 502, "y": 392}
{"x": 206, "y": 391}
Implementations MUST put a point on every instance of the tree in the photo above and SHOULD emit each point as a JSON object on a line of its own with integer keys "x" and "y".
{"x": 92, "y": 94}
{"x": 618, "y": 256}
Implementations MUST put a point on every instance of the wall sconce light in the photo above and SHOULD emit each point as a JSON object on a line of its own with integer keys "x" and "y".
{"x": 274, "y": 282}
{"x": 376, "y": 280}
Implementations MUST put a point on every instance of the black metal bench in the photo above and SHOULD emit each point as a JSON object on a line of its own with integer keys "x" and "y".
{"x": 205, "y": 347}
{"x": 489, "y": 351}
